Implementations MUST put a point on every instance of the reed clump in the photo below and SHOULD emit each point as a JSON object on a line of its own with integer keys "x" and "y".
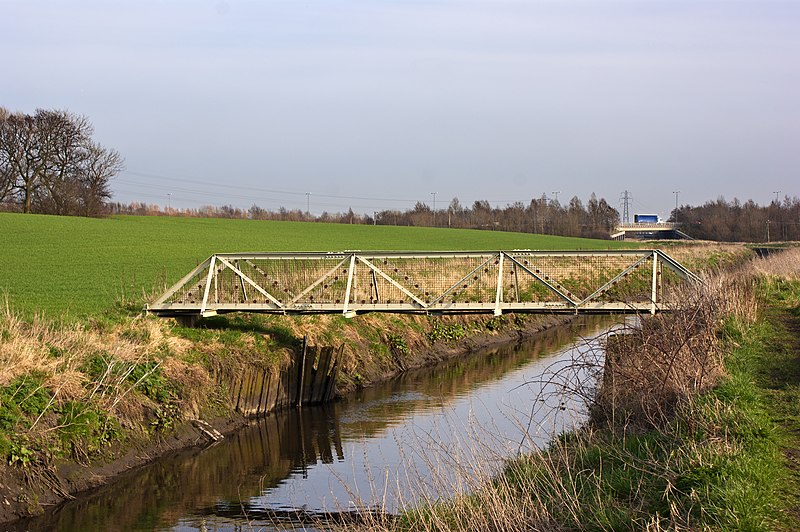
{"x": 666, "y": 359}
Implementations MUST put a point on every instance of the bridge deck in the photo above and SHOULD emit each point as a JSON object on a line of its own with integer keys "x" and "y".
{"x": 425, "y": 282}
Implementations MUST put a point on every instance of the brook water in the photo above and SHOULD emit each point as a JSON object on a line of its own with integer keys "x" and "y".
{"x": 413, "y": 438}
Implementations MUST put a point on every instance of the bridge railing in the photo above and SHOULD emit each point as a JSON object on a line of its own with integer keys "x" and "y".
{"x": 660, "y": 226}
{"x": 354, "y": 282}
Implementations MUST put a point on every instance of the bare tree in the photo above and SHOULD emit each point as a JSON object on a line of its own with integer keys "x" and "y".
{"x": 7, "y": 180}
{"x": 100, "y": 165}
{"x": 49, "y": 163}
{"x": 64, "y": 138}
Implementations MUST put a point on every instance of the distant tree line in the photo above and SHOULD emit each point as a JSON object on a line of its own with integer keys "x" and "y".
{"x": 595, "y": 219}
{"x": 733, "y": 221}
{"x": 720, "y": 220}
{"x": 49, "y": 164}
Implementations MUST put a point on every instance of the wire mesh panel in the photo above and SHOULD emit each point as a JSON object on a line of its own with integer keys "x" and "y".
{"x": 192, "y": 292}
{"x": 434, "y": 282}
{"x": 535, "y": 279}
{"x": 632, "y": 285}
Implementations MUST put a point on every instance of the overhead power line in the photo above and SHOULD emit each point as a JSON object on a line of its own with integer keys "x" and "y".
{"x": 266, "y": 190}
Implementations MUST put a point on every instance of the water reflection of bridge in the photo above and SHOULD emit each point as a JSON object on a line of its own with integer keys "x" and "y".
{"x": 430, "y": 283}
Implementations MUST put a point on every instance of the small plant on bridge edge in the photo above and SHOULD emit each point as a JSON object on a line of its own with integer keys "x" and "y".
{"x": 397, "y": 343}
{"x": 497, "y": 323}
{"x": 446, "y": 332}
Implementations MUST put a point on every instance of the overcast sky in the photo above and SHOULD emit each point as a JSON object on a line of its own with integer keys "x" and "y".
{"x": 376, "y": 104}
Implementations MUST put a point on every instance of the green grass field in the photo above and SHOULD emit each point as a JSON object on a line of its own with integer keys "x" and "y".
{"x": 73, "y": 267}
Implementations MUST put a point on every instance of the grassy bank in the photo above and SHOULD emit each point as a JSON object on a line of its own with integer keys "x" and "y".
{"x": 700, "y": 432}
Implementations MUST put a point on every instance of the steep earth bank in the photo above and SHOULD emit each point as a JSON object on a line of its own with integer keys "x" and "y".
{"x": 110, "y": 397}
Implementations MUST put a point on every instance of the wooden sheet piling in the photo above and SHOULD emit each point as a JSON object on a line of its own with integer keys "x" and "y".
{"x": 309, "y": 380}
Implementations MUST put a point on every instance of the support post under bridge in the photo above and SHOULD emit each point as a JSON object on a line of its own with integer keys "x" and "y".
{"x": 447, "y": 282}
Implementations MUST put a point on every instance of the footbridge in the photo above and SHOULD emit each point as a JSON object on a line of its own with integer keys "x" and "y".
{"x": 492, "y": 282}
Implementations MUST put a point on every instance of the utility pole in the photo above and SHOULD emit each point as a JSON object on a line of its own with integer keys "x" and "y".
{"x": 308, "y": 204}
{"x": 434, "y": 208}
{"x": 776, "y": 197}
{"x": 676, "y": 192}
{"x": 556, "y": 193}
{"x": 374, "y": 217}
{"x": 626, "y": 215}
{"x": 169, "y": 202}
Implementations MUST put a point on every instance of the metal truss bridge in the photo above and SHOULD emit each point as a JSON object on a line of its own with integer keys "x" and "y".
{"x": 490, "y": 282}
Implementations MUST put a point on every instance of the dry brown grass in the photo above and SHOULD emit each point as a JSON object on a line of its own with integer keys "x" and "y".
{"x": 651, "y": 368}
{"x": 703, "y": 257}
{"x": 783, "y": 264}
{"x": 62, "y": 354}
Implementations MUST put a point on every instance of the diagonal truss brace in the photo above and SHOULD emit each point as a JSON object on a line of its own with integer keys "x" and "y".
{"x": 186, "y": 278}
{"x": 606, "y": 287}
{"x": 394, "y": 283}
{"x": 460, "y": 281}
{"x": 318, "y": 282}
{"x": 545, "y": 283}
{"x": 249, "y": 281}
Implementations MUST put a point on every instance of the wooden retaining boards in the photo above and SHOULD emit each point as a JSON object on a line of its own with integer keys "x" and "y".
{"x": 309, "y": 380}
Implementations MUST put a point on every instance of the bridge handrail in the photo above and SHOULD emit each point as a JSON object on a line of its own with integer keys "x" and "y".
{"x": 660, "y": 225}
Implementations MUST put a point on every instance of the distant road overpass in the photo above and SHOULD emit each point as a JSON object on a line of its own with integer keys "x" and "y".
{"x": 490, "y": 282}
{"x": 649, "y": 230}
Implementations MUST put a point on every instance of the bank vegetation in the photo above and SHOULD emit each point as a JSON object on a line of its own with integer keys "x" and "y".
{"x": 693, "y": 424}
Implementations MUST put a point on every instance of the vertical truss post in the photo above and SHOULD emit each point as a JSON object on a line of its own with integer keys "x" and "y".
{"x": 216, "y": 286}
{"x": 654, "y": 287}
{"x": 660, "y": 281}
{"x": 350, "y": 274}
{"x": 211, "y": 267}
{"x": 498, "y": 298}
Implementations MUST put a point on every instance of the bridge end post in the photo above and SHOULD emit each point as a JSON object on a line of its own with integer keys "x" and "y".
{"x": 654, "y": 286}
{"x": 346, "y": 312}
{"x": 498, "y": 298}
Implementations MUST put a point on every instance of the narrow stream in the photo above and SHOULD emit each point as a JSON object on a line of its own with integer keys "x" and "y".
{"x": 409, "y": 440}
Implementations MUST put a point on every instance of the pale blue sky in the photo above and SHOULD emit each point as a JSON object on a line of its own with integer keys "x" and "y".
{"x": 260, "y": 102}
